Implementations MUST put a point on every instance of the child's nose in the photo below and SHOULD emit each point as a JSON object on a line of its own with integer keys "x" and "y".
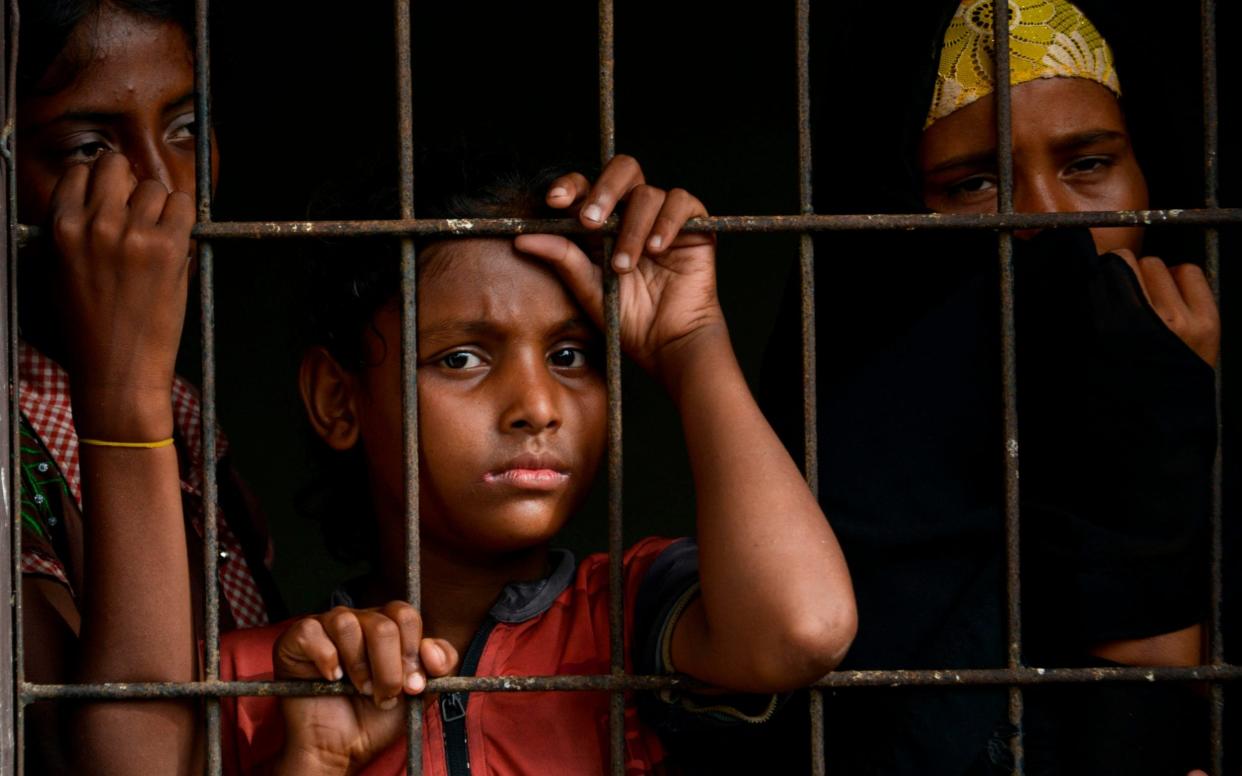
{"x": 533, "y": 407}
{"x": 148, "y": 162}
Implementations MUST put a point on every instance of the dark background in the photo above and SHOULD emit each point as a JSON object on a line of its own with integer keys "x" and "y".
{"x": 304, "y": 94}
{"x": 705, "y": 99}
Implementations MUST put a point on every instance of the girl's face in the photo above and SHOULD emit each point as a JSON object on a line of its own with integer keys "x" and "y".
{"x": 132, "y": 93}
{"x": 511, "y": 402}
{"x": 1071, "y": 152}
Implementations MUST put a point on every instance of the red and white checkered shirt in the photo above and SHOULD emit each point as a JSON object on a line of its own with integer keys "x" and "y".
{"x": 44, "y": 401}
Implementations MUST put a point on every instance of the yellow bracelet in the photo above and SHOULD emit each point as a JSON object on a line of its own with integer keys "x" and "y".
{"x": 144, "y": 445}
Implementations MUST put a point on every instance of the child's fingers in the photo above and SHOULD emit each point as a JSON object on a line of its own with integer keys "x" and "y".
{"x": 383, "y": 639}
{"x": 343, "y": 628}
{"x": 306, "y": 652}
{"x": 146, "y": 202}
{"x": 70, "y": 191}
{"x": 439, "y": 657}
{"x": 111, "y": 182}
{"x": 679, "y": 207}
{"x": 568, "y": 190}
{"x": 640, "y": 213}
{"x": 179, "y": 212}
{"x": 410, "y": 625}
{"x": 620, "y": 176}
{"x": 584, "y": 279}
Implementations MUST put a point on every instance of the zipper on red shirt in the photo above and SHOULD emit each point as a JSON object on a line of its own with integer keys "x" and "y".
{"x": 453, "y": 706}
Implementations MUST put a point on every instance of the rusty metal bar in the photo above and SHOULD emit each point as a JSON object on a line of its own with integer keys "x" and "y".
{"x": 409, "y": 357}
{"x": 1211, "y": 239}
{"x": 893, "y": 679}
{"x": 879, "y": 222}
{"x": 203, "y": 183}
{"x": 806, "y": 279}
{"x": 12, "y": 738}
{"x": 612, "y": 340}
{"x": 1009, "y": 381}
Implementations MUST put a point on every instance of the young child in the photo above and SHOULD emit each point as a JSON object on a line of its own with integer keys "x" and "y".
{"x": 512, "y": 429}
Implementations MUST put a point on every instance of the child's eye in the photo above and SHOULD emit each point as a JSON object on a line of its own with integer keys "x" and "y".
{"x": 568, "y": 358}
{"x": 461, "y": 359}
{"x": 85, "y": 153}
{"x": 183, "y": 127}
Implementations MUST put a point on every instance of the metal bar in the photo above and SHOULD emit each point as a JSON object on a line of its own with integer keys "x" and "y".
{"x": 806, "y": 278}
{"x": 880, "y": 222}
{"x": 893, "y": 679}
{"x": 1211, "y": 239}
{"x": 612, "y": 340}
{"x": 409, "y": 358}
{"x": 203, "y": 184}
{"x": 1009, "y": 382}
{"x": 12, "y": 738}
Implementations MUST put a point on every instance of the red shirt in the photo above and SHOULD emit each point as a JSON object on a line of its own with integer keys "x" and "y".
{"x": 558, "y": 625}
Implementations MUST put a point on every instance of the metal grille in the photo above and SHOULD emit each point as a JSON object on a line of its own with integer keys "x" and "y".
{"x": 16, "y": 693}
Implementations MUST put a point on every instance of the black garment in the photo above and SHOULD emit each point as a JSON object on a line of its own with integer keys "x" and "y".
{"x": 1116, "y": 429}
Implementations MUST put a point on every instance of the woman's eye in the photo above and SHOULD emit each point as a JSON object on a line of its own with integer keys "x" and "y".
{"x": 461, "y": 359}
{"x": 1088, "y": 165}
{"x": 977, "y": 184}
{"x": 567, "y": 358}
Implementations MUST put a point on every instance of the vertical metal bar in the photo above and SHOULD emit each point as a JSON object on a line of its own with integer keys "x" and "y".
{"x": 1009, "y": 381}
{"x": 612, "y": 338}
{"x": 203, "y": 182}
{"x": 1211, "y": 239}
{"x": 12, "y": 737}
{"x": 409, "y": 358}
{"x": 806, "y": 270}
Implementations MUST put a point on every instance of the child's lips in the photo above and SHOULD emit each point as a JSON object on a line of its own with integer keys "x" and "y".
{"x": 527, "y": 479}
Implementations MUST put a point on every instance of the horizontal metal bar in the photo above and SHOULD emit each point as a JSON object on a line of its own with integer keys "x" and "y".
{"x": 602, "y": 682}
{"x": 464, "y": 227}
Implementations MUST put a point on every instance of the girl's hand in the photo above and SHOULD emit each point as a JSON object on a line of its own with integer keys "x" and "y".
{"x": 384, "y": 655}
{"x": 667, "y": 278}
{"x": 122, "y": 247}
{"x": 1183, "y": 299}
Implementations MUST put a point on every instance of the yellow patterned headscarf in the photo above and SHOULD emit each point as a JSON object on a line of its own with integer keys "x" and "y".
{"x": 1047, "y": 39}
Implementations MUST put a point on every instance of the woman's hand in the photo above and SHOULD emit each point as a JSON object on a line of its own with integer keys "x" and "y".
{"x": 122, "y": 247}
{"x": 384, "y": 655}
{"x": 1183, "y": 299}
{"x": 667, "y": 278}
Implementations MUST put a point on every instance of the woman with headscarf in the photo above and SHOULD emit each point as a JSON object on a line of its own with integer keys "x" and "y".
{"x": 1115, "y": 391}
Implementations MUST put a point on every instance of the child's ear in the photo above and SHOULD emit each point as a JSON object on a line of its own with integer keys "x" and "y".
{"x": 328, "y": 394}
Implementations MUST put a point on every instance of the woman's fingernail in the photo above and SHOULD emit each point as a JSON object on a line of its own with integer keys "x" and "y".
{"x": 415, "y": 682}
{"x": 621, "y": 261}
{"x": 593, "y": 213}
{"x": 558, "y": 192}
{"x": 338, "y": 674}
{"x": 367, "y": 687}
{"x": 655, "y": 242}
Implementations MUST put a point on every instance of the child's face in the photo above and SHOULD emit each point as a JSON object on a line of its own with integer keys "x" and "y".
{"x": 1071, "y": 152}
{"x": 133, "y": 93}
{"x": 511, "y": 402}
